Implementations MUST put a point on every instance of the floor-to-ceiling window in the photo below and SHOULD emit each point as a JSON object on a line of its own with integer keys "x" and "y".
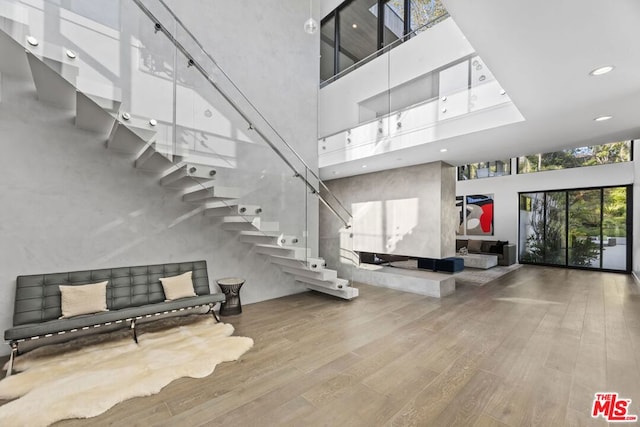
{"x": 582, "y": 228}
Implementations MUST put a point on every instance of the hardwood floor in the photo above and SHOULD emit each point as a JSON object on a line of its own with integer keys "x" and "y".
{"x": 531, "y": 348}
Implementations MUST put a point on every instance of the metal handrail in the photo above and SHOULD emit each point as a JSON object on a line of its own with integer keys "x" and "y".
{"x": 384, "y": 49}
{"x": 201, "y": 69}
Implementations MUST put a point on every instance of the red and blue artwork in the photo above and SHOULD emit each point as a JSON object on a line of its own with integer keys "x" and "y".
{"x": 460, "y": 214}
{"x": 479, "y": 215}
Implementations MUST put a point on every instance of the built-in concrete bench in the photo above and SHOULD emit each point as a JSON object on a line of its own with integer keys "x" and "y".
{"x": 417, "y": 281}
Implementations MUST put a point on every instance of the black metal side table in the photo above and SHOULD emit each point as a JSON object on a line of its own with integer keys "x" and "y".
{"x": 230, "y": 287}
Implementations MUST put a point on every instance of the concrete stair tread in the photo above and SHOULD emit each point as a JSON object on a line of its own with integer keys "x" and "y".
{"x": 260, "y": 233}
{"x": 285, "y": 248}
{"x": 123, "y": 139}
{"x": 234, "y": 218}
{"x": 18, "y": 66}
{"x": 337, "y": 283}
{"x": 238, "y": 223}
{"x": 323, "y": 275}
{"x": 347, "y": 293}
{"x": 178, "y": 176}
{"x": 226, "y": 203}
{"x": 93, "y": 114}
{"x": 51, "y": 87}
{"x": 221, "y": 208}
{"x": 210, "y": 191}
{"x": 196, "y": 170}
{"x": 152, "y": 160}
{"x": 296, "y": 252}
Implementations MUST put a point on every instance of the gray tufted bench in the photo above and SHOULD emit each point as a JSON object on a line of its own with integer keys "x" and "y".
{"x": 133, "y": 293}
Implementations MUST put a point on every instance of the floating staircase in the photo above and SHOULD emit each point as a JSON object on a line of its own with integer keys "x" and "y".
{"x": 137, "y": 138}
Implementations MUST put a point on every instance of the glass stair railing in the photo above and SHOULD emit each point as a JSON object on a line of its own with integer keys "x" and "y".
{"x": 132, "y": 72}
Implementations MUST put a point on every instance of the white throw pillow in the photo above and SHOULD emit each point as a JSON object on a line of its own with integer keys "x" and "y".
{"x": 83, "y": 299}
{"x": 177, "y": 287}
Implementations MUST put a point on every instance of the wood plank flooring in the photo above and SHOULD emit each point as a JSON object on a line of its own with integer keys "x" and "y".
{"x": 531, "y": 348}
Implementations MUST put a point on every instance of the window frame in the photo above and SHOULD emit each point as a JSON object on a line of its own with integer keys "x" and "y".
{"x": 629, "y": 227}
{"x": 631, "y": 156}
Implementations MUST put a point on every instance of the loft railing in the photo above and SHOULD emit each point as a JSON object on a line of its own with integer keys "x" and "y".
{"x": 200, "y": 59}
{"x": 384, "y": 49}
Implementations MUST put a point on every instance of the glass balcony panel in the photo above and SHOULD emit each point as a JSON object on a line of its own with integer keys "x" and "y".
{"x": 158, "y": 81}
{"x": 413, "y": 112}
{"x": 215, "y": 138}
{"x": 109, "y": 51}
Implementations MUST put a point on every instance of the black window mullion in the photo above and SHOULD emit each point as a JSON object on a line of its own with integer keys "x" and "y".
{"x": 629, "y": 231}
{"x": 336, "y": 43}
{"x": 407, "y": 17}
{"x": 544, "y": 227}
{"x": 381, "y": 5}
{"x": 566, "y": 228}
{"x": 601, "y": 222}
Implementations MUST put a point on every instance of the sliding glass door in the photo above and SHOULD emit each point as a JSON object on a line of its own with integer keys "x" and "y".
{"x": 615, "y": 254}
{"x": 582, "y": 228}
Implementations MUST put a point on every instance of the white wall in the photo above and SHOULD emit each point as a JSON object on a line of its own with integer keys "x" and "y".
{"x": 339, "y": 101}
{"x": 505, "y": 190}
{"x": 327, "y": 6}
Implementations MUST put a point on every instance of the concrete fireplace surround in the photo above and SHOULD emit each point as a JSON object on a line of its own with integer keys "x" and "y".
{"x": 406, "y": 211}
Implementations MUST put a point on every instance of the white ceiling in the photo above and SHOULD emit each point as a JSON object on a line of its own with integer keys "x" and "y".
{"x": 542, "y": 53}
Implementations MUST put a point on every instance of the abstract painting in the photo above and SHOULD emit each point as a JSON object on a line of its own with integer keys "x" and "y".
{"x": 479, "y": 215}
{"x": 460, "y": 214}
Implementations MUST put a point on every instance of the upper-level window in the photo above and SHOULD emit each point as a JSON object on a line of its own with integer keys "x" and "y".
{"x": 484, "y": 169}
{"x": 357, "y": 29}
{"x": 614, "y": 152}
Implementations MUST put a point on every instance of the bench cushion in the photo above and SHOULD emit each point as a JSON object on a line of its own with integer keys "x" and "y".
{"x": 57, "y": 325}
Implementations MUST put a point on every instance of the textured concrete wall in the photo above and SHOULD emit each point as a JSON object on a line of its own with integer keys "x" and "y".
{"x": 68, "y": 203}
{"x": 405, "y": 211}
{"x": 263, "y": 48}
{"x": 448, "y": 214}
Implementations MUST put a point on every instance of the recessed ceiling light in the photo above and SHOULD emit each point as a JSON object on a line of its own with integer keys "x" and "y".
{"x": 71, "y": 54}
{"x": 602, "y": 70}
{"x": 32, "y": 41}
{"x": 602, "y": 118}
{"x": 443, "y": 150}
{"x": 364, "y": 166}
{"x": 355, "y": 26}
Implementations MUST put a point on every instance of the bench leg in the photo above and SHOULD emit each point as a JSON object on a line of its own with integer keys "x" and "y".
{"x": 215, "y": 316}
{"x": 14, "y": 353}
{"x": 133, "y": 328}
